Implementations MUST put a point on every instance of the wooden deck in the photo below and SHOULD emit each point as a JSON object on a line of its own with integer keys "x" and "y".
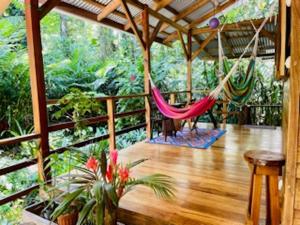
{"x": 212, "y": 185}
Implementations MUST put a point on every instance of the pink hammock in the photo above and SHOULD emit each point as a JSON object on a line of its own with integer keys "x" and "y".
{"x": 198, "y": 108}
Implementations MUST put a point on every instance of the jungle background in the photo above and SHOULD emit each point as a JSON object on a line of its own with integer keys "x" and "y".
{"x": 84, "y": 59}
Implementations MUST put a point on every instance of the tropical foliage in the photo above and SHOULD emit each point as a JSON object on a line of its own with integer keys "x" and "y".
{"x": 100, "y": 62}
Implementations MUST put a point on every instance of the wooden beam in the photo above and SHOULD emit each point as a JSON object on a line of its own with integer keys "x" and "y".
{"x": 112, "y": 6}
{"x": 38, "y": 91}
{"x": 189, "y": 84}
{"x": 155, "y": 32}
{"x": 202, "y": 19}
{"x": 203, "y": 44}
{"x": 190, "y": 9}
{"x": 47, "y": 7}
{"x": 183, "y": 45}
{"x": 157, "y": 15}
{"x": 147, "y": 68}
{"x": 156, "y": 6}
{"x": 292, "y": 135}
{"x": 102, "y": 6}
{"x": 269, "y": 35}
{"x": 4, "y": 5}
{"x": 111, "y": 124}
{"x": 225, "y": 40}
{"x": 132, "y": 23}
{"x": 210, "y": 14}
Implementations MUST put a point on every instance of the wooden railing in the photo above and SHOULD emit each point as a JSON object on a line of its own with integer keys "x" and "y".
{"x": 109, "y": 118}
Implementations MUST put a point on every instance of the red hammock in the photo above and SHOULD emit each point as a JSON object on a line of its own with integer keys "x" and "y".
{"x": 198, "y": 108}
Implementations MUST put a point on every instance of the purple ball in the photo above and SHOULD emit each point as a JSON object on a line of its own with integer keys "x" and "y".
{"x": 214, "y": 23}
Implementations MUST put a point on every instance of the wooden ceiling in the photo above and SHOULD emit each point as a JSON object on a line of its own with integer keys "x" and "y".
{"x": 169, "y": 20}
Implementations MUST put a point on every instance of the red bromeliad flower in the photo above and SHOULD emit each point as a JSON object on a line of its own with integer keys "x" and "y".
{"x": 123, "y": 174}
{"x": 109, "y": 173}
{"x": 114, "y": 157}
{"x": 132, "y": 77}
{"x": 92, "y": 164}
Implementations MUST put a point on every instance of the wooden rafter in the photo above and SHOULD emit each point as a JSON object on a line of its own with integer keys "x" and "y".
{"x": 155, "y": 32}
{"x": 201, "y": 19}
{"x": 203, "y": 44}
{"x": 158, "y": 5}
{"x": 112, "y": 6}
{"x": 240, "y": 26}
{"x": 225, "y": 40}
{"x": 3, "y": 5}
{"x": 208, "y": 15}
{"x": 157, "y": 15}
{"x": 70, "y": 9}
{"x": 183, "y": 45}
{"x": 132, "y": 23}
{"x": 198, "y": 4}
{"x": 47, "y": 7}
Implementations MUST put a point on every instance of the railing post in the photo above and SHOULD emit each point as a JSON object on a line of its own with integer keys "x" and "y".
{"x": 224, "y": 112}
{"x": 189, "y": 67}
{"x": 111, "y": 123}
{"x": 37, "y": 83}
{"x": 172, "y": 98}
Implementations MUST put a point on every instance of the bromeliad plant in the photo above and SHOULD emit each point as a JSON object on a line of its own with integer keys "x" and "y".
{"x": 100, "y": 184}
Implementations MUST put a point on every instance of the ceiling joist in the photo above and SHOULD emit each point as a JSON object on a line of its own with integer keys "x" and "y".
{"x": 112, "y": 6}
{"x": 203, "y": 44}
{"x": 47, "y": 7}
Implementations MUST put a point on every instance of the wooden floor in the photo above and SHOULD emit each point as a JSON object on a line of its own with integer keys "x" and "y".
{"x": 212, "y": 185}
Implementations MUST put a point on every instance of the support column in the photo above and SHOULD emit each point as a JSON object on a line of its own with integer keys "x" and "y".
{"x": 147, "y": 67}
{"x": 111, "y": 123}
{"x": 189, "y": 67}
{"x": 37, "y": 82}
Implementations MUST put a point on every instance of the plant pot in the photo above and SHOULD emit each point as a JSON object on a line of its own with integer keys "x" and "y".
{"x": 110, "y": 217}
{"x": 68, "y": 219}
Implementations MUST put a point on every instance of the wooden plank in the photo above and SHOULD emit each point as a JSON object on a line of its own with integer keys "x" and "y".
{"x": 131, "y": 113}
{"x": 47, "y": 7}
{"x": 292, "y": 132}
{"x": 71, "y": 124}
{"x": 102, "y": 6}
{"x": 17, "y": 140}
{"x": 204, "y": 43}
{"x": 4, "y": 5}
{"x": 37, "y": 82}
{"x": 131, "y": 128}
{"x": 111, "y": 123}
{"x": 18, "y": 195}
{"x": 18, "y": 166}
{"x": 282, "y": 44}
{"x": 112, "y": 6}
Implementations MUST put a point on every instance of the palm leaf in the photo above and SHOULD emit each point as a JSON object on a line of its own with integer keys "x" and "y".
{"x": 133, "y": 164}
{"x": 161, "y": 184}
{"x": 85, "y": 211}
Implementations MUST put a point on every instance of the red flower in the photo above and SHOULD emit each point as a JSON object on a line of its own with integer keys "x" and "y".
{"x": 123, "y": 174}
{"x": 132, "y": 77}
{"x": 109, "y": 173}
{"x": 114, "y": 157}
{"x": 92, "y": 164}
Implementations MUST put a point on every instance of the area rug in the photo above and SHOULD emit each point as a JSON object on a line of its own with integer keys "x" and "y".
{"x": 203, "y": 138}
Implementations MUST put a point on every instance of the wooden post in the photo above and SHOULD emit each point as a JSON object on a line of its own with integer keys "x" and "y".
{"x": 291, "y": 120}
{"x": 189, "y": 67}
{"x": 110, "y": 103}
{"x": 147, "y": 67}
{"x": 224, "y": 112}
{"x": 172, "y": 98}
{"x": 37, "y": 83}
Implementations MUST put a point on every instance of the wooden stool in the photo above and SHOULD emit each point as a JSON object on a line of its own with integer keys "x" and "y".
{"x": 269, "y": 164}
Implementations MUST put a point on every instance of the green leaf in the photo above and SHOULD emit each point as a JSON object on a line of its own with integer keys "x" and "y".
{"x": 68, "y": 199}
{"x": 133, "y": 164}
{"x": 99, "y": 213}
{"x": 111, "y": 193}
{"x": 85, "y": 211}
{"x": 98, "y": 190}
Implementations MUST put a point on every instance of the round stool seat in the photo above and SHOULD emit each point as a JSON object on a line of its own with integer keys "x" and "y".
{"x": 264, "y": 158}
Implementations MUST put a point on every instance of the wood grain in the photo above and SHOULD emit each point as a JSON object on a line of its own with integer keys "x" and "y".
{"x": 212, "y": 185}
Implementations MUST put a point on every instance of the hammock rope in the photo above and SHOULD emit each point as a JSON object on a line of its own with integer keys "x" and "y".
{"x": 204, "y": 104}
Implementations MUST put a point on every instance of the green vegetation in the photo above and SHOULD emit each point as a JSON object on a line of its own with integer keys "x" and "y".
{"x": 82, "y": 60}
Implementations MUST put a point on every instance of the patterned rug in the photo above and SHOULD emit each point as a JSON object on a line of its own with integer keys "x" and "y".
{"x": 203, "y": 138}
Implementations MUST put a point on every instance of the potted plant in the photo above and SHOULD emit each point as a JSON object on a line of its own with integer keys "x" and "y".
{"x": 99, "y": 184}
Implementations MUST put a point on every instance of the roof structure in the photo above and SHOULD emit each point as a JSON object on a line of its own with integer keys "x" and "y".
{"x": 168, "y": 17}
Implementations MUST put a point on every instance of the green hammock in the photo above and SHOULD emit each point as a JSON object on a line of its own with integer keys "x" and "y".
{"x": 239, "y": 90}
